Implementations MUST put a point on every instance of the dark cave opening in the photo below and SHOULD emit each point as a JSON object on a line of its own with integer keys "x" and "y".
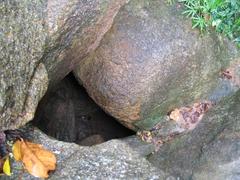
{"x": 68, "y": 114}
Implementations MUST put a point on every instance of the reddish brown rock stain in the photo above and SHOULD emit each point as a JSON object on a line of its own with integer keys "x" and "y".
{"x": 189, "y": 117}
{"x": 232, "y": 73}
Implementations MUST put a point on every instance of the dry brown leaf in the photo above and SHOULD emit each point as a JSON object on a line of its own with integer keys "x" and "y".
{"x": 1, "y": 166}
{"x": 37, "y": 160}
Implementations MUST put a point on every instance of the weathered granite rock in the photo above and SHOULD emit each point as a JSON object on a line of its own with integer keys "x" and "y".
{"x": 211, "y": 151}
{"x": 115, "y": 159}
{"x": 152, "y": 61}
{"x": 35, "y": 39}
{"x": 23, "y": 78}
{"x": 76, "y": 28}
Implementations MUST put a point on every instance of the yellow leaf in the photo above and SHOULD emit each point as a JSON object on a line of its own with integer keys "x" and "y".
{"x": 37, "y": 160}
{"x": 6, "y": 167}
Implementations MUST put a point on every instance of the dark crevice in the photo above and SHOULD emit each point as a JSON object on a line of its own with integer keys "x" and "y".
{"x": 67, "y": 113}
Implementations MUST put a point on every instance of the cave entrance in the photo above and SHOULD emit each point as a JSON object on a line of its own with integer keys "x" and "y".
{"x": 67, "y": 113}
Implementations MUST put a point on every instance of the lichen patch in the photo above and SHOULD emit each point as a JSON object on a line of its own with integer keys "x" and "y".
{"x": 188, "y": 117}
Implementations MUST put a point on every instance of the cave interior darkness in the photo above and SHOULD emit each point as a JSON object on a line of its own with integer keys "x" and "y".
{"x": 68, "y": 114}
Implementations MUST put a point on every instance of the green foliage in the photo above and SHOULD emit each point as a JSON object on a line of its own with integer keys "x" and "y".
{"x": 223, "y": 15}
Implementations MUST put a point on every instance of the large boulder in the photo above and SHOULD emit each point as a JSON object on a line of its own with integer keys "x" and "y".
{"x": 152, "y": 61}
{"x": 36, "y": 37}
{"x": 211, "y": 151}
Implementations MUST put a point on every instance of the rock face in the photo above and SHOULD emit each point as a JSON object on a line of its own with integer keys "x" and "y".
{"x": 150, "y": 62}
{"x": 211, "y": 151}
{"x": 36, "y": 37}
{"x": 23, "y": 78}
{"x": 116, "y": 159}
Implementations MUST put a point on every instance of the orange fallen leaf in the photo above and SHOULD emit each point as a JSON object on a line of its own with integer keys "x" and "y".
{"x": 37, "y": 160}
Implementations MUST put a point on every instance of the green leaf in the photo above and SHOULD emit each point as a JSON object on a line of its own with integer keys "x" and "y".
{"x": 213, "y": 4}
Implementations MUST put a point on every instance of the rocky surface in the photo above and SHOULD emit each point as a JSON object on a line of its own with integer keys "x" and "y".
{"x": 115, "y": 159}
{"x": 151, "y": 61}
{"x": 150, "y": 67}
{"x": 41, "y": 41}
{"x": 211, "y": 151}
{"x": 23, "y": 78}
